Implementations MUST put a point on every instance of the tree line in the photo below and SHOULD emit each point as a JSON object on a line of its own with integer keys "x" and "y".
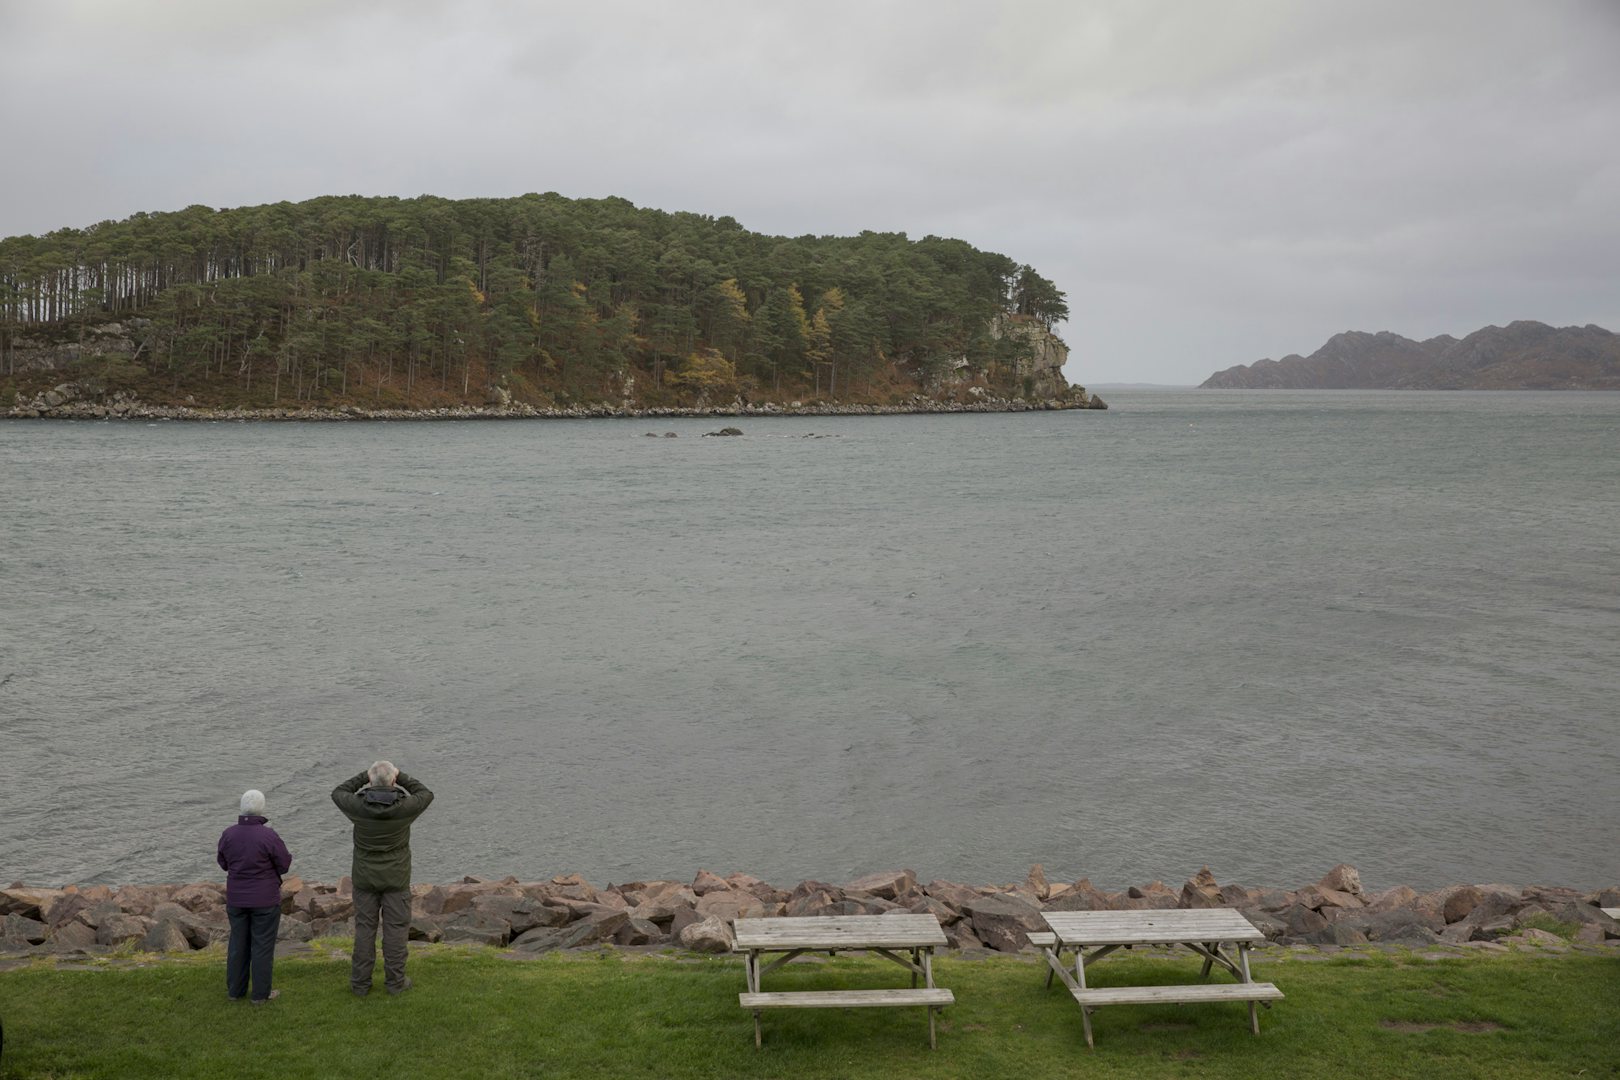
{"x": 588, "y": 298}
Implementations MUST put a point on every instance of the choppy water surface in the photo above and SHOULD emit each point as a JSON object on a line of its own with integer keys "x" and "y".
{"x": 1263, "y": 631}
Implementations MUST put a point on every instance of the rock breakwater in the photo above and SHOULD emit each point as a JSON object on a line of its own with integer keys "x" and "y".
{"x": 568, "y": 912}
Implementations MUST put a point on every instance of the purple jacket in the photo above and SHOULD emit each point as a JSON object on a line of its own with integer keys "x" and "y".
{"x": 253, "y": 858}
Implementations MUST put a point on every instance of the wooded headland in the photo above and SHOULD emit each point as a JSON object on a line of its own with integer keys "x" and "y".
{"x": 538, "y": 301}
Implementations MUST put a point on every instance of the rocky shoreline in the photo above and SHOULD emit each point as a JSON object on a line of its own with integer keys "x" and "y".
{"x": 70, "y": 402}
{"x": 568, "y": 912}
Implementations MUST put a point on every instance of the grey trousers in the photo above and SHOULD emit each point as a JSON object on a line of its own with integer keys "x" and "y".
{"x": 395, "y": 909}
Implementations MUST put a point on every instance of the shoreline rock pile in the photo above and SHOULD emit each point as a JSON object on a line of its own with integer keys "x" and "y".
{"x": 568, "y": 912}
{"x": 71, "y": 401}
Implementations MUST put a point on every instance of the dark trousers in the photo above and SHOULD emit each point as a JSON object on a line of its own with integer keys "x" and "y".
{"x": 252, "y": 949}
{"x": 394, "y": 909}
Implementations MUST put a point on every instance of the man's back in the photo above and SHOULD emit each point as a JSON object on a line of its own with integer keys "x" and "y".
{"x": 382, "y": 829}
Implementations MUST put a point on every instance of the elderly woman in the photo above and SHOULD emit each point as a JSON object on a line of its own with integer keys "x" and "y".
{"x": 253, "y": 858}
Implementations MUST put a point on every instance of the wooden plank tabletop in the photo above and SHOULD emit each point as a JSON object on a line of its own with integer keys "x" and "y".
{"x": 840, "y": 932}
{"x": 1152, "y": 927}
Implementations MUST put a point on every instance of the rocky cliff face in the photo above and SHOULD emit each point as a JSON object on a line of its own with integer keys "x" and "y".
{"x": 1520, "y": 356}
{"x": 1042, "y": 361}
{"x": 23, "y": 354}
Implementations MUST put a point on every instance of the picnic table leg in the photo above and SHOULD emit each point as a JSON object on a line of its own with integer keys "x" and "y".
{"x": 915, "y": 960}
{"x": 933, "y": 1042}
{"x": 1243, "y": 962}
{"x": 1080, "y": 977}
{"x": 928, "y": 967}
{"x": 1209, "y": 961}
{"x": 1054, "y": 954}
{"x": 751, "y": 967}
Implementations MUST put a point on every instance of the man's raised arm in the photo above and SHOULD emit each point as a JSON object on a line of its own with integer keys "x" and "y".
{"x": 416, "y": 788}
{"x": 344, "y": 794}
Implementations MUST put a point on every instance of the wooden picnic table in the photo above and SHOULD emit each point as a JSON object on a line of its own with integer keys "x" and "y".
{"x": 889, "y": 936}
{"x": 1206, "y": 931}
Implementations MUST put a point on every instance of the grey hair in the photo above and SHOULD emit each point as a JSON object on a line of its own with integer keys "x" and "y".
{"x": 253, "y": 802}
{"x": 382, "y": 774}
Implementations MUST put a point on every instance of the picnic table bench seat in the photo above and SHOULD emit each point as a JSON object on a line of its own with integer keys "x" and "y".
{"x": 847, "y": 999}
{"x": 1190, "y": 994}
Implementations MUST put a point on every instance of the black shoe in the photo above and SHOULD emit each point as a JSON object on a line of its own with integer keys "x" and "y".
{"x": 360, "y": 991}
{"x": 269, "y": 997}
{"x": 402, "y": 987}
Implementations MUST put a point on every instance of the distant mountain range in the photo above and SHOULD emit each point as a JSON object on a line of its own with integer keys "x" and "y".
{"x": 1520, "y": 356}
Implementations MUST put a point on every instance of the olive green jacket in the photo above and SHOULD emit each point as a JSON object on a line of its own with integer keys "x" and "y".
{"x": 382, "y": 834}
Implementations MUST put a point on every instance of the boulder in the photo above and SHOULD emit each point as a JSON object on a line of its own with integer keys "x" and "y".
{"x": 429, "y": 901}
{"x": 927, "y": 905}
{"x": 1154, "y": 895}
{"x": 424, "y": 928}
{"x": 117, "y": 929}
{"x": 23, "y": 929}
{"x": 753, "y": 886}
{"x": 1301, "y": 921}
{"x": 597, "y": 927}
{"x": 460, "y": 897}
{"x": 1391, "y": 924}
{"x": 960, "y": 935}
{"x": 141, "y": 899}
{"x": 816, "y": 898}
{"x": 331, "y": 906}
{"x": 1336, "y": 934}
{"x": 1329, "y": 901}
{"x": 165, "y": 937}
{"x": 476, "y": 928}
{"x": 1412, "y": 935}
{"x": 1461, "y": 903}
{"x": 949, "y": 892}
{"x": 723, "y": 904}
{"x": 657, "y": 912}
{"x": 887, "y": 884}
{"x": 1342, "y": 878}
{"x": 709, "y": 936}
{"x": 67, "y": 907}
{"x": 1036, "y": 882}
{"x": 706, "y": 882}
{"x": 540, "y": 939}
{"x": 293, "y": 930}
{"x": 1080, "y": 896}
{"x": 1401, "y": 896}
{"x": 684, "y": 917}
{"x": 1201, "y": 891}
{"x": 1004, "y": 923}
{"x": 519, "y": 912}
{"x": 1268, "y": 924}
{"x": 200, "y": 897}
{"x": 20, "y": 900}
{"x": 638, "y": 932}
{"x": 71, "y": 937}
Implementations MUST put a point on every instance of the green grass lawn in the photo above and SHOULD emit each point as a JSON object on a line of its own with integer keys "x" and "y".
{"x": 477, "y": 1013}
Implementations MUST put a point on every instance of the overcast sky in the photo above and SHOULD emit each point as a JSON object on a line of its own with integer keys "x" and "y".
{"x": 1211, "y": 183}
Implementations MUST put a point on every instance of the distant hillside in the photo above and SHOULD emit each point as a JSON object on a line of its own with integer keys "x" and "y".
{"x": 1520, "y": 356}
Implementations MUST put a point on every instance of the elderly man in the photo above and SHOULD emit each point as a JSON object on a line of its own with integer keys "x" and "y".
{"x": 382, "y": 802}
